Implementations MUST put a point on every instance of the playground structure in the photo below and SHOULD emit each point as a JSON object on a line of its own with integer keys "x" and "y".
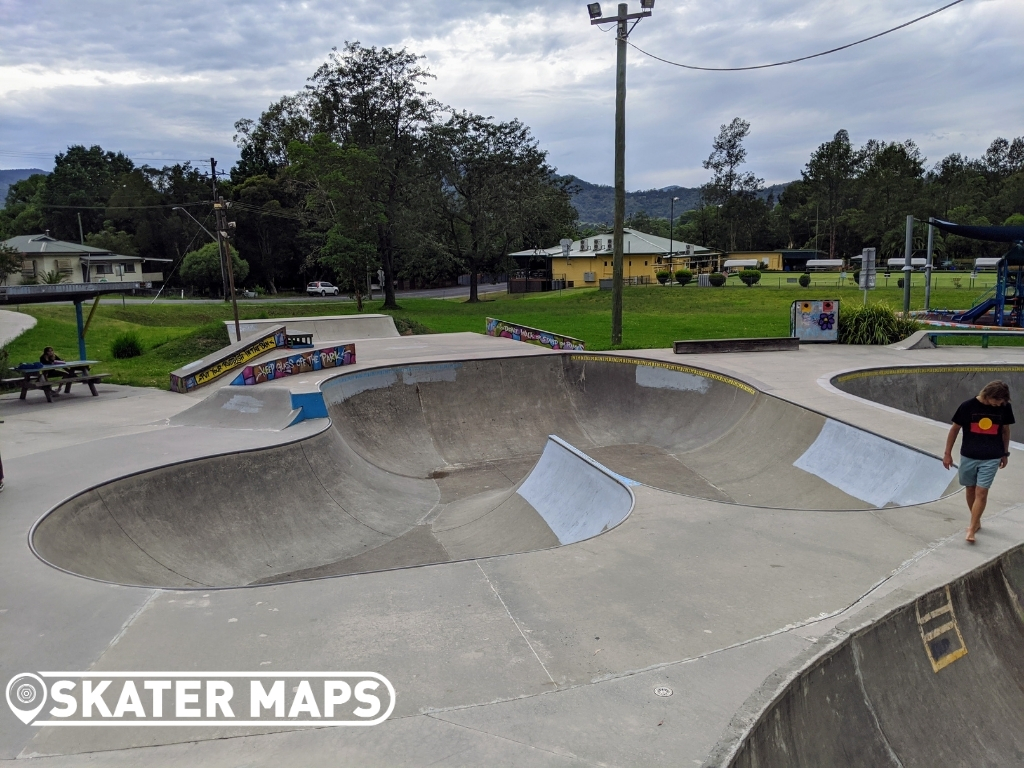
{"x": 1003, "y": 304}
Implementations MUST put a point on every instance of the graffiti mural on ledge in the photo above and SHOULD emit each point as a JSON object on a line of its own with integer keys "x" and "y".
{"x": 301, "y": 362}
{"x": 531, "y": 335}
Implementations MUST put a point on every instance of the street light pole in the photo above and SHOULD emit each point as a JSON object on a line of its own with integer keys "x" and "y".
{"x": 671, "y": 232}
{"x": 908, "y": 266}
{"x": 622, "y": 35}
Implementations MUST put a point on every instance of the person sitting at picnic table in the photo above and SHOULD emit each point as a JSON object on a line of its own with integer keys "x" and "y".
{"x": 49, "y": 357}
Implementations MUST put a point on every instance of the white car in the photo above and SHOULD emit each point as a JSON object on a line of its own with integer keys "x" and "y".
{"x": 320, "y": 288}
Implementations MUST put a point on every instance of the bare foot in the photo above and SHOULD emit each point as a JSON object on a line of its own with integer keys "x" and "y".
{"x": 970, "y": 536}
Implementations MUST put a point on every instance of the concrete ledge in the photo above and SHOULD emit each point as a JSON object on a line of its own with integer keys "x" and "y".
{"x": 771, "y": 344}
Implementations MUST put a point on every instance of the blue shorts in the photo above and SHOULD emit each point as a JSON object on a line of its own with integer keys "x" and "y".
{"x": 979, "y": 472}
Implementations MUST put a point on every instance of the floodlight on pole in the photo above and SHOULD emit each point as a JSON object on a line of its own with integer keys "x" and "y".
{"x": 647, "y": 5}
{"x": 594, "y": 9}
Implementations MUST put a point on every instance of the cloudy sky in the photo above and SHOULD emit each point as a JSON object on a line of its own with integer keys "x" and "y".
{"x": 165, "y": 81}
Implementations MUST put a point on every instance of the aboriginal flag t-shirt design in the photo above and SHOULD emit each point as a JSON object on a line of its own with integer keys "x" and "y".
{"x": 982, "y": 428}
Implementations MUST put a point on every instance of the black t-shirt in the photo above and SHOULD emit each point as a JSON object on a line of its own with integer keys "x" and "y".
{"x": 981, "y": 425}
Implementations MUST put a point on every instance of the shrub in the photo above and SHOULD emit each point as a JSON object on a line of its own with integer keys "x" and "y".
{"x": 873, "y": 324}
{"x": 899, "y": 283}
{"x": 683, "y": 276}
{"x": 717, "y": 279}
{"x": 663, "y": 276}
{"x": 128, "y": 344}
{"x": 856, "y": 276}
{"x": 805, "y": 280}
{"x": 750, "y": 276}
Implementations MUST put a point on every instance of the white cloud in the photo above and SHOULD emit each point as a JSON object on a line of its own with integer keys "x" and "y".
{"x": 156, "y": 79}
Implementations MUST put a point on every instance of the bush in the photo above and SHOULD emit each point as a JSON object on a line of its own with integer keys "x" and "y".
{"x": 663, "y": 276}
{"x": 899, "y": 283}
{"x": 717, "y": 279}
{"x": 856, "y": 276}
{"x": 873, "y": 324}
{"x": 683, "y": 276}
{"x": 202, "y": 268}
{"x": 128, "y": 344}
{"x": 749, "y": 276}
{"x": 805, "y": 280}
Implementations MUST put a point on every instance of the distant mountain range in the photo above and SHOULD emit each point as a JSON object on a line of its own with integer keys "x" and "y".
{"x": 12, "y": 176}
{"x": 595, "y": 203}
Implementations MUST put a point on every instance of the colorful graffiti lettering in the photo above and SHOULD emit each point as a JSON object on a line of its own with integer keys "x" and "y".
{"x": 524, "y": 333}
{"x": 180, "y": 382}
{"x": 303, "y": 362}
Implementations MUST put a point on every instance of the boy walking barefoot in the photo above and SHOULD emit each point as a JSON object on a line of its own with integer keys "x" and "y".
{"x": 986, "y": 421}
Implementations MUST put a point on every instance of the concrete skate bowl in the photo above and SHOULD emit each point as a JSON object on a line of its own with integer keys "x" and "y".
{"x": 937, "y": 682}
{"x": 431, "y": 463}
{"x": 933, "y": 392}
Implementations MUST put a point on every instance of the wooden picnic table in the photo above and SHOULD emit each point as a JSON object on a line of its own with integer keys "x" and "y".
{"x": 63, "y": 374}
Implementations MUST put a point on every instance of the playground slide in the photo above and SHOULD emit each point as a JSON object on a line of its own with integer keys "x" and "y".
{"x": 975, "y": 312}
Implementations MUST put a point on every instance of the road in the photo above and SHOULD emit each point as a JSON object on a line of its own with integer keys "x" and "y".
{"x": 455, "y": 292}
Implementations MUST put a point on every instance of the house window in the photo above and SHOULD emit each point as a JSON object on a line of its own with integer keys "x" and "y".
{"x": 129, "y": 266}
{"x": 606, "y": 263}
{"x": 645, "y": 263}
{"x": 104, "y": 269}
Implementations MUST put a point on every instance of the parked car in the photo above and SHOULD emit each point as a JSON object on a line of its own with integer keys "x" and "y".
{"x": 320, "y": 288}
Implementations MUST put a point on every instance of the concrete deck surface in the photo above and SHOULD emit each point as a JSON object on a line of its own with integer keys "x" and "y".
{"x": 539, "y": 658}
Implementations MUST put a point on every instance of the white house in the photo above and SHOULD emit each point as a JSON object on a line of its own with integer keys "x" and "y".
{"x": 42, "y": 254}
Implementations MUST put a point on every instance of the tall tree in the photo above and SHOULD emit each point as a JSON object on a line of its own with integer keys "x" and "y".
{"x": 82, "y": 182}
{"x": 373, "y": 99}
{"x": 732, "y": 190}
{"x": 343, "y": 213}
{"x": 890, "y": 187}
{"x": 494, "y": 189}
{"x": 829, "y": 176}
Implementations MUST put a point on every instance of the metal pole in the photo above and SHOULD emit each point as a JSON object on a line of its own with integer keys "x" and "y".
{"x": 928, "y": 268}
{"x": 81, "y": 330}
{"x": 81, "y": 237}
{"x": 620, "y": 173}
{"x": 907, "y": 266}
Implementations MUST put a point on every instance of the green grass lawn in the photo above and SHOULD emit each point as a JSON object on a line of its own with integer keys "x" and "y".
{"x": 654, "y": 316}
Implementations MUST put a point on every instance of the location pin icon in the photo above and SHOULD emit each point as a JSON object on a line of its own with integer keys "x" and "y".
{"x": 24, "y": 691}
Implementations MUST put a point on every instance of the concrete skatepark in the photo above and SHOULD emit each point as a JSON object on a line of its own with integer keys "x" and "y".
{"x": 528, "y": 544}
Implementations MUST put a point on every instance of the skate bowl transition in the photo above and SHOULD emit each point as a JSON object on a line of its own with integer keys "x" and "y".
{"x": 938, "y": 681}
{"x": 437, "y": 462}
{"x": 933, "y": 392}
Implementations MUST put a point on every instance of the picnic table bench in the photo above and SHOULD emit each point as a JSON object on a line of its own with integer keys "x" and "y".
{"x": 50, "y": 377}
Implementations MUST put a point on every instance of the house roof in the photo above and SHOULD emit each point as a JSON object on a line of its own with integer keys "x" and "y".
{"x": 44, "y": 245}
{"x": 50, "y": 245}
{"x": 634, "y": 243}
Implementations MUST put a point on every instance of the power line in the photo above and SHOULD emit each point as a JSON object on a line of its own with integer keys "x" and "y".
{"x": 802, "y": 58}
{"x": 51, "y": 155}
{"x": 116, "y": 207}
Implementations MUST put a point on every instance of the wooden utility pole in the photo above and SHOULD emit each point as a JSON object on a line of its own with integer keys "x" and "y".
{"x": 223, "y": 273}
{"x": 220, "y": 208}
{"x": 621, "y": 36}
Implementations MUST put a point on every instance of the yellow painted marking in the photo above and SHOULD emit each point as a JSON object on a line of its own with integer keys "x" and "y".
{"x": 938, "y": 631}
{"x": 930, "y": 369}
{"x": 937, "y": 612}
{"x": 951, "y": 626}
{"x": 669, "y": 366}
